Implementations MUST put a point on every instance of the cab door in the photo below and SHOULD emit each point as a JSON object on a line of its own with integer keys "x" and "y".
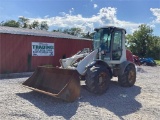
{"x": 117, "y": 45}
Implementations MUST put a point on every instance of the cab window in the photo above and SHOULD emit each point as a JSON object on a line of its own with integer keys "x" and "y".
{"x": 117, "y": 45}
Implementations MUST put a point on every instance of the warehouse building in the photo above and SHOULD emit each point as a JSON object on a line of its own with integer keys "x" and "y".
{"x": 22, "y": 50}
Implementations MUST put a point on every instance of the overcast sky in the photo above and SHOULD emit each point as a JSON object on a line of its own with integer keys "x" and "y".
{"x": 86, "y": 14}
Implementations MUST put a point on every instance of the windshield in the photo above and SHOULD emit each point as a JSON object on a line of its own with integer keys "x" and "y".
{"x": 102, "y": 39}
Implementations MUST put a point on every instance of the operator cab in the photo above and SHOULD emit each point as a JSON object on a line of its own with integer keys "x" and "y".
{"x": 111, "y": 44}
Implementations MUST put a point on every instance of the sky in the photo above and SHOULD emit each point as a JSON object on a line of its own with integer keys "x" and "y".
{"x": 85, "y": 14}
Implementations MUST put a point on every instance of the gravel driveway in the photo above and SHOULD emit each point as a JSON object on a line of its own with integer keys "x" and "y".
{"x": 141, "y": 101}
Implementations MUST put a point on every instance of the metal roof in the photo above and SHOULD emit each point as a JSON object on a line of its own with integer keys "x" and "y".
{"x": 112, "y": 27}
{"x": 25, "y": 31}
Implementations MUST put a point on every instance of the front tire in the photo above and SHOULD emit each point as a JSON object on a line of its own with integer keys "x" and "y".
{"x": 128, "y": 78}
{"x": 97, "y": 79}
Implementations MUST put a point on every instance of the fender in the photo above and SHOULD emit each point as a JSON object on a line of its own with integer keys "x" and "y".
{"x": 101, "y": 62}
{"x": 123, "y": 65}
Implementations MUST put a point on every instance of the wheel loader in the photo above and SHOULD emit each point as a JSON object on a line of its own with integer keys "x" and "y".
{"x": 96, "y": 67}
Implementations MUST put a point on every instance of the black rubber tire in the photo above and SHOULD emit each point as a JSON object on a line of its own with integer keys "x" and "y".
{"x": 128, "y": 78}
{"x": 97, "y": 79}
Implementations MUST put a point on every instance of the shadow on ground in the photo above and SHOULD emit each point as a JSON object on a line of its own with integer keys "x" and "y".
{"x": 121, "y": 101}
{"x": 15, "y": 75}
{"x": 50, "y": 105}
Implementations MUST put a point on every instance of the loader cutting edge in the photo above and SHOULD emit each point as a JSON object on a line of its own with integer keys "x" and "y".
{"x": 56, "y": 82}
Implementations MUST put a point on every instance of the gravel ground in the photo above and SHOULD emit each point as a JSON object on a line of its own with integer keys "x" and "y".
{"x": 141, "y": 101}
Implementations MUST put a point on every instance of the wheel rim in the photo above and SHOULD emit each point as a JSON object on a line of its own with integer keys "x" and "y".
{"x": 131, "y": 76}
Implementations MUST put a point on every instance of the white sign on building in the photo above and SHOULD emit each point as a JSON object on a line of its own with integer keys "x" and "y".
{"x": 42, "y": 49}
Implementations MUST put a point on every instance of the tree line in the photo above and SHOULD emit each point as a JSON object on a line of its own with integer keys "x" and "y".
{"x": 23, "y": 22}
{"x": 144, "y": 43}
{"x": 76, "y": 32}
{"x": 141, "y": 42}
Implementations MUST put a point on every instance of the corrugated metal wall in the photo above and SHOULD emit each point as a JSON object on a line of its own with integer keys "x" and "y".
{"x": 16, "y": 51}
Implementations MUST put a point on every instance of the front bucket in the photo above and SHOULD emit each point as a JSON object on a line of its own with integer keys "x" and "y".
{"x": 59, "y": 83}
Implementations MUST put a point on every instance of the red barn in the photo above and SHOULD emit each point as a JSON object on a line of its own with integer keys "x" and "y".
{"x": 23, "y": 50}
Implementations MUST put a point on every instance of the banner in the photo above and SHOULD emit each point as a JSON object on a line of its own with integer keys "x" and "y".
{"x": 42, "y": 49}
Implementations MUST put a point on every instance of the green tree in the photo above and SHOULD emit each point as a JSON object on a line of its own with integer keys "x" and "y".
{"x": 44, "y": 25}
{"x": 58, "y": 30}
{"x": 155, "y": 48}
{"x": 10, "y": 23}
{"x": 139, "y": 41}
{"x": 88, "y": 35}
{"x": 35, "y": 25}
{"x": 24, "y": 22}
{"x": 71, "y": 31}
{"x": 75, "y": 32}
{"x": 142, "y": 42}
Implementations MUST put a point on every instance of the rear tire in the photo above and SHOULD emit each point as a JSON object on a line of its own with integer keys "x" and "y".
{"x": 128, "y": 78}
{"x": 97, "y": 79}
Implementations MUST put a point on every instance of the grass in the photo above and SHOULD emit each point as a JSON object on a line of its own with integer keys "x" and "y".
{"x": 158, "y": 62}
